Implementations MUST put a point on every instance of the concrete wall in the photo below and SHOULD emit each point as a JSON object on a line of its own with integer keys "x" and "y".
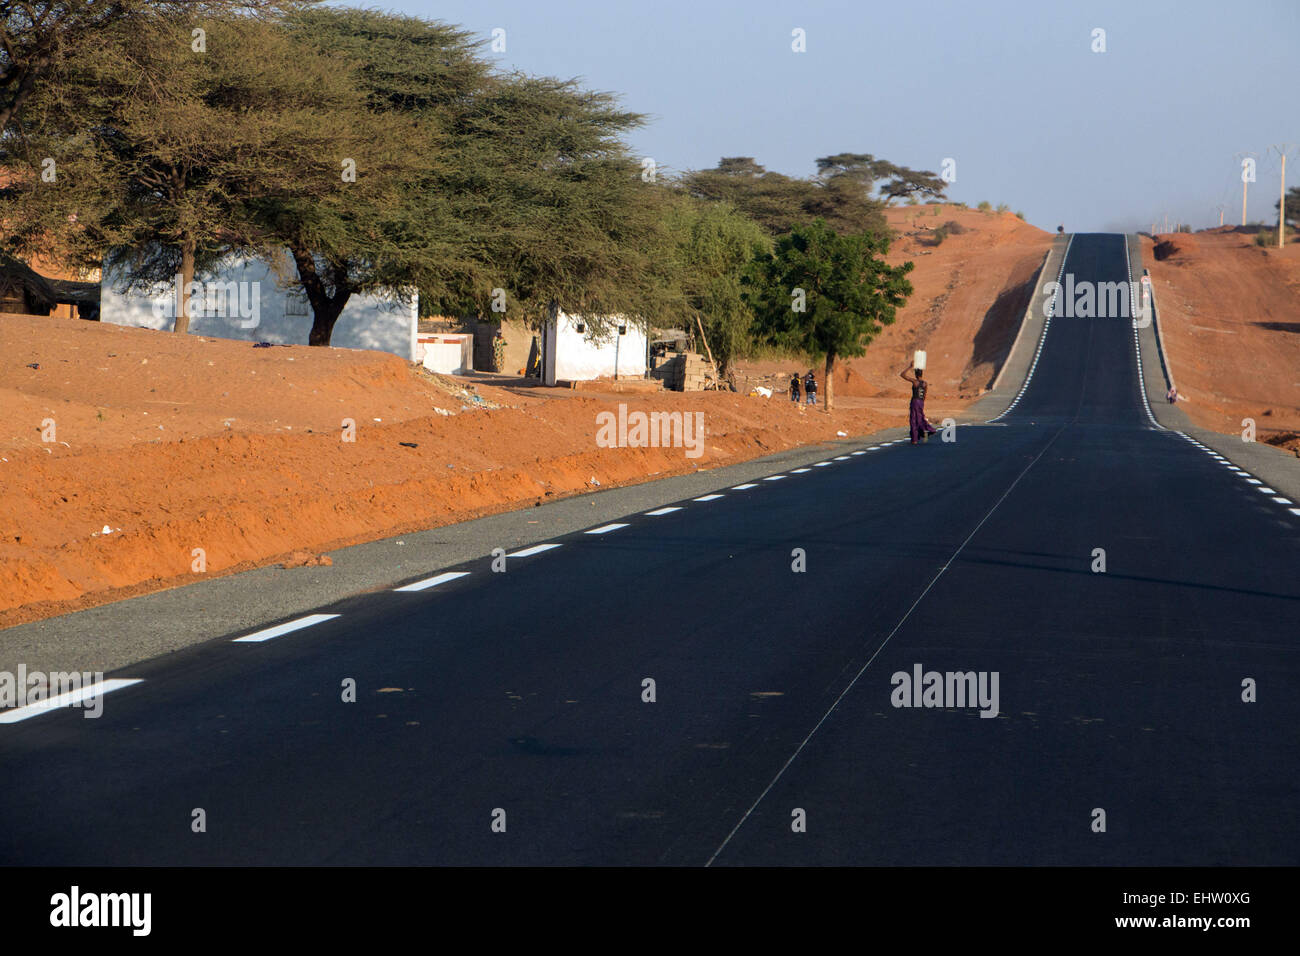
{"x": 257, "y": 305}
{"x": 445, "y": 352}
{"x": 575, "y": 355}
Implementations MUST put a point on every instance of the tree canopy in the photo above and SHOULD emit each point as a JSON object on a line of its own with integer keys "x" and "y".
{"x": 826, "y": 293}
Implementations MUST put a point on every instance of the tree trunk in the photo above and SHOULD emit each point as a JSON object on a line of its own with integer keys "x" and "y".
{"x": 326, "y": 305}
{"x": 187, "y": 276}
{"x": 830, "y": 380}
{"x": 322, "y": 323}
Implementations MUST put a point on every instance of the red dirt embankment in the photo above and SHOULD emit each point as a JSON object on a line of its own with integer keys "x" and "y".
{"x": 128, "y": 449}
{"x": 174, "y": 443}
{"x": 1230, "y": 318}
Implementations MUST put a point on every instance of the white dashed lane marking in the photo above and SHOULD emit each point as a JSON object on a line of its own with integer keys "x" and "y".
{"x": 289, "y": 627}
{"x": 66, "y": 699}
{"x": 535, "y": 549}
{"x": 662, "y": 511}
{"x": 744, "y": 487}
{"x": 774, "y": 477}
{"x": 606, "y": 528}
{"x": 800, "y": 471}
{"x": 707, "y": 498}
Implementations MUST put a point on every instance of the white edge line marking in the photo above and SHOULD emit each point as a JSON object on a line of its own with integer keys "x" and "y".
{"x": 535, "y": 549}
{"x": 1295, "y": 511}
{"x": 663, "y": 511}
{"x": 66, "y": 699}
{"x": 876, "y": 653}
{"x": 258, "y": 636}
{"x": 433, "y": 581}
{"x": 1265, "y": 490}
{"x": 800, "y": 471}
{"x": 743, "y": 487}
{"x": 821, "y": 464}
{"x": 1254, "y": 481}
{"x": 840, "y": 458}
{"x": 708, "y": 498}
{"x": 606, "y": 528}
{"x": 775, "y": 477}
{"x": 857, "y": 453}
{"x": 1283, "y": 501}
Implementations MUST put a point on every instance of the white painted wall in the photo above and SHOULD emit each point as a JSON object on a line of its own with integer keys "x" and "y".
{"x": 446, "y": 352}
{"x": 368, "y": 321}
{"x": 580, "y": 356}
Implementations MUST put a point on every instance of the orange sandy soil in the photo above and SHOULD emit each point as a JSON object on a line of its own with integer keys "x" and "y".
{"x": 180, "y": 442}
{"x": 1230, "y": 318}
{"x": 969, "y": 294}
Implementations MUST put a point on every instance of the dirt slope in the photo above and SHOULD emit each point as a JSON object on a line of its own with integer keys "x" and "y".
{"x": 1230, "y": 317}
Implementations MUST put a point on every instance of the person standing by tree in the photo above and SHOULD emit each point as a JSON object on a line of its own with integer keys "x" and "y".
{"x": 920, "y": 428}
{"x": 794, "y": 388}
{"x": 810, "y": 387}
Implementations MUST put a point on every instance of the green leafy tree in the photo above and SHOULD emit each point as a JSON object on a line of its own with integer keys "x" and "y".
{"x": 714, "y": 244}
{"x": 827, "y": 294}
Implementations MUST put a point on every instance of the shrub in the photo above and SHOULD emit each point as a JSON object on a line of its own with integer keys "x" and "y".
{"x": 1020, "y": 215}
{"x": 1003, "y": 207}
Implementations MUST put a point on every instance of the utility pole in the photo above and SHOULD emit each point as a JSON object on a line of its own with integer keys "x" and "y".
{"x": 1282, "y": 149}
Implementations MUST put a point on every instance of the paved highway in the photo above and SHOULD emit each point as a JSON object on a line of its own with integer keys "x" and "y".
{"x": 773, "y": 736}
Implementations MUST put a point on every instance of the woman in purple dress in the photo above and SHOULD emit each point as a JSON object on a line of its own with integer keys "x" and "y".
{"x": 921, "y": 429}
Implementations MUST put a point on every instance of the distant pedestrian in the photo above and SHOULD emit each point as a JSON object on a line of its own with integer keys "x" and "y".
{"x": 810, "y": 387}
{"x": 1171, "y": 396}
{"x": 794, "y": 388}
{"x": 920, "y": 428}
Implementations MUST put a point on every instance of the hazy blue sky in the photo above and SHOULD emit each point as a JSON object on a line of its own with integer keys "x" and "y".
{"x": 1011, "y": 90}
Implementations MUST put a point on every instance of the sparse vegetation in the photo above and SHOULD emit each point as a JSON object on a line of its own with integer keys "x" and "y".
{"x": 985, "y": 206}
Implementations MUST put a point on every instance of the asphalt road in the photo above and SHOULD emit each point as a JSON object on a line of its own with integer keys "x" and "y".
{"x": 523, "y": 691}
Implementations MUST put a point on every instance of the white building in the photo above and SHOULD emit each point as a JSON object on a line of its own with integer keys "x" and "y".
{"x": 572, "y": 352}
{"x": 248, "y": 299}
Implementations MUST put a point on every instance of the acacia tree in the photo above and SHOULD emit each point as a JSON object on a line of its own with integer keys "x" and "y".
{"x": 714, "y": 244}
{"x": 394, "y": 228}
{"x": 506, "y": 186}
{"x": 163, "y": 140}
{"x": 826, "y": 293}
{"x": 779, "y": 202}
{"x": 37, "y": 35}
